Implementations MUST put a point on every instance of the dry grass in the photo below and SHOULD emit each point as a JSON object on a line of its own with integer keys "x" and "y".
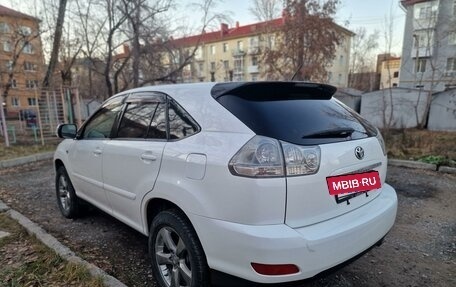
{"x": 23, "y": 150}
{"x": 24, "y": 261}
{"x": 414, "y": 144}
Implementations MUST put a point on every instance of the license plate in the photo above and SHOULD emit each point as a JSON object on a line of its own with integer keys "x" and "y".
{"x": 353, "y": 183}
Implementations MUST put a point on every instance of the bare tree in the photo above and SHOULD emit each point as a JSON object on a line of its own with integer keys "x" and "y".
{"x": 306, "y": 43}
{"x": 362, "y": 67}
{"x": 47, "y": 81}
{"x": 265, "y": 10}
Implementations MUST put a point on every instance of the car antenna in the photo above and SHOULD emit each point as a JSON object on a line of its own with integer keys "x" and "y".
{"x": 297, "y": 71}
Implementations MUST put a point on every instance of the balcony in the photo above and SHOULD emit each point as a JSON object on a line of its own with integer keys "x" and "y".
{"x": 254, "y": 50}
{"x": 253, "y": 69}
{"x": 238, "y": 53}
{"x": 422, "y": 52}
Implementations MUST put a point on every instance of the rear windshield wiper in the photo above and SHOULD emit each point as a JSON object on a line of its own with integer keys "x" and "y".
{"x": 332, "y": 133}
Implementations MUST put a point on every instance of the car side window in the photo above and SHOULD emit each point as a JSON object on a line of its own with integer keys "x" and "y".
{"x": 100, "y": 125}
{"x": 181, "y": 125}
{"x": 143, "y": 120}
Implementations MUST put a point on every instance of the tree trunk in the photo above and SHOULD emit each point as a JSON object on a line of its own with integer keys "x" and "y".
{"x": 47, "y": 82}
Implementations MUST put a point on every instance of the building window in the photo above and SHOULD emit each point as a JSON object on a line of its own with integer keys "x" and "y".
{"x": 339, "y": 78}
{"x": 341, "y": 59}
{"x": 212, "y": 66}
{"x": 15, "y": 102}
{"x": 7, "y": 46}
{"x": 420, "y": 65}
{"x": 9, "y": 66}
{"x": 254, "y": 61}
{"x": 28, "y": 66}
{"x": 225, "y": 47}
{"x": 240, "y": 46}
{"x": 394, "y": 84}
{"x": 330, "y": 76}
{"x": 28, "y": 48}
{"x": 451, "y": 64}
{"x": 25, "y": 31}
{"x": 254, "y": 78}
{"x": 4, "y": 28}
{"x": 31, "y": 101}
{"x": 426, "y": 10}
{"x": 396, "y": 75}
{"x": 423, "y": 38}
{"x": 452, "y": 38}
{"x": 200, "y": 67}
{"x": 13, "y": 83}
{"x": 254, "y": 42}
{"x": 226, "y": 65}
{"x": 31, "y": 84}
{"x": 212, "y": 49}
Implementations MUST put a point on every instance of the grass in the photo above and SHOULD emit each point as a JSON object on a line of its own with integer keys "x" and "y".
{"x": 422, "y": 145}
{"x": 24, "y": 261}
{"x": 14, "y": 151}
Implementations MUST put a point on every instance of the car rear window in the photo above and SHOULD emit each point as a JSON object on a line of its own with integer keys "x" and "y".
{"x": 297, "y": 119}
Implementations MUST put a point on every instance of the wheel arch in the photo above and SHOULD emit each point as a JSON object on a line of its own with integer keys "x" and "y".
{"x": 155, "y": 205}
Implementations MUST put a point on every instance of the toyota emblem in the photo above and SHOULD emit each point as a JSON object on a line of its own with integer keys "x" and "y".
{"x": 359, "y": 152}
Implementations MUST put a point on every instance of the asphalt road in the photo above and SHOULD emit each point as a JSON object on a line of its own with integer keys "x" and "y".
{"x": 420, "y": 250}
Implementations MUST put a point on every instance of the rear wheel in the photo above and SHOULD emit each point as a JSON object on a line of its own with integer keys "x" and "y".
{"x": 66, "y": 196}
{"x": 178, "y": 258}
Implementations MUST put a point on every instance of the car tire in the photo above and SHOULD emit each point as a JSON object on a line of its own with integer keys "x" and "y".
{"x": 67, "y": 200}
{"x": 177, "y": 256}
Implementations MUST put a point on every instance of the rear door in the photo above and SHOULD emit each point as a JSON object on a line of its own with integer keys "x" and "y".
{"x": 132, "y": 158}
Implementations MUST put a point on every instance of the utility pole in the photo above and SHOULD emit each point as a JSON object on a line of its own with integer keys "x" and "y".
{"x": 3, "y": 121}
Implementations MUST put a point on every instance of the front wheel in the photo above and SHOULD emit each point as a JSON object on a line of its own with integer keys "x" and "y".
{"x": 178, "y": 258}
{"x": 66, "y": 196}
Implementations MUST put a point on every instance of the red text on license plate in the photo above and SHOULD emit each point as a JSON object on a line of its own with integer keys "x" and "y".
{"x": 349, "y": 183}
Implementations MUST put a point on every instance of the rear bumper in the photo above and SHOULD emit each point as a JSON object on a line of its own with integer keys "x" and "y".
{"x": 232, "y": 247}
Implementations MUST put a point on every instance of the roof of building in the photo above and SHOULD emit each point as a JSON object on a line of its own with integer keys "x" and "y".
{"x": 226, "y": 33}
{"x": 5, "y": 11}
{"x": 406, "y": 3}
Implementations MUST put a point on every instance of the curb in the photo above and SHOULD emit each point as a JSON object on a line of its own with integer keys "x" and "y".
{"x": 63, "y": 251}
{"x": 412, "y": 164}
{"x": 447, "y": 169}
{"x": 25, "y": 159}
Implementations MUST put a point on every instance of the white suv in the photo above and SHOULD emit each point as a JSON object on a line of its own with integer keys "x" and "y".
{"x": 266, "y": 181}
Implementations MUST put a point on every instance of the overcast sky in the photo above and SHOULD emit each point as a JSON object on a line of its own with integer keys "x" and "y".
{"x": 370, "y": 14}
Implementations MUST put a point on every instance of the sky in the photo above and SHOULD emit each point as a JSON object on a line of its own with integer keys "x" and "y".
{"x": 371, "y": 14}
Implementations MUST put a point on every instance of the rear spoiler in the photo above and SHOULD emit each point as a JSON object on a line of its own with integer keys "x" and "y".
{"x": 274, "y": 90}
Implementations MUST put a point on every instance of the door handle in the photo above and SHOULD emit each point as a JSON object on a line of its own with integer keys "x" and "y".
{"x": 97, "y": 151}
{"x": 148, "y": 157}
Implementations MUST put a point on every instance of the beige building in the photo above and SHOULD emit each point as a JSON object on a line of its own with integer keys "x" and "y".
{"x": 234, "y": 54}
{"x": 21, "y": 55}
{"x": 389, "y": 72}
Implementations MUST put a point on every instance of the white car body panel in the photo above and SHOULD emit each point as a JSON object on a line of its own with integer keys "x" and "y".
{"x": 313, "y": 249}
{"x": 130, "y": 168}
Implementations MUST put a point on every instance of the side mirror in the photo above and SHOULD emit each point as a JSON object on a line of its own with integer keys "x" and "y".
{"x": 67, "y": 131}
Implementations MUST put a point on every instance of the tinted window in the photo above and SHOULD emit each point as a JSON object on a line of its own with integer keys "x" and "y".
{"x": 157, "y": 128}
{"x": 136, "y": 120}
{"x": 180, "y": 123}
{"x": 100, "y": 125}
{"x": 298, "y": 121}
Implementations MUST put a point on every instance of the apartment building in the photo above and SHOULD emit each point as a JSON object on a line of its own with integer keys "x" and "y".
{"x": 21, "y": 55}
{"x": 429, "y": 46}
{"x": 234, "y": 53}
{"x": 389, "y": 72}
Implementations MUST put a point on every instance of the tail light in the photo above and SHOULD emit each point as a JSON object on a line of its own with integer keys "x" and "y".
{"x": 260, "y": 157}
{"x": 381, "y": 141}
{"x": 266, "y": 157}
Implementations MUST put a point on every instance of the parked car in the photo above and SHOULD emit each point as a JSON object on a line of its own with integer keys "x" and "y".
{"x": 265, "y": 181}
{"x": 29, "y": 116}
